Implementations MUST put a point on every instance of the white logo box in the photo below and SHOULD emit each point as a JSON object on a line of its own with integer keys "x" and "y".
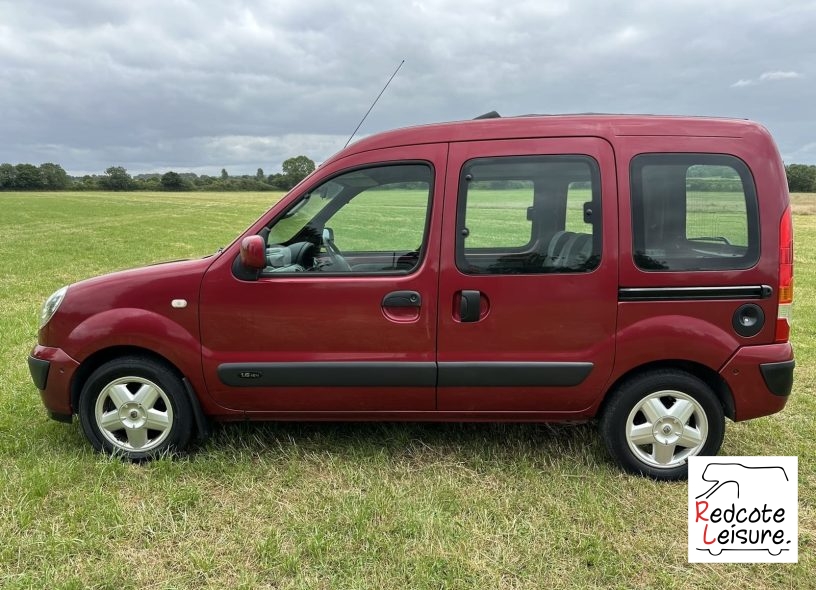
{"x": 743, "y": 510}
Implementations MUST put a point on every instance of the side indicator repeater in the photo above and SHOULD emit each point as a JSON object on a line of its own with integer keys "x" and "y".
{"x": 178, "y": 303}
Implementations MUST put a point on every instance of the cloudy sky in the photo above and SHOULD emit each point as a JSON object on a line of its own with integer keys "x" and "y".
{"x": 154, "y": 85}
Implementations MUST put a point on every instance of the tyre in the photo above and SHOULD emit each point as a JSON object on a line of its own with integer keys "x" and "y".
{"x": 654, "y": 422}
{"x": 135, "y": 407}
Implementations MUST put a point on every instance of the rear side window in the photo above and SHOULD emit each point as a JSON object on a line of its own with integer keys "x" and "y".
{"x": 693, "y": 212}
{"x": 529, "y": 215}
{"x": 497, "y": 213}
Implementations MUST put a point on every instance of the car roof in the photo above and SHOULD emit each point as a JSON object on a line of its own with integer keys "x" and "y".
{"x": 575, "y": 125}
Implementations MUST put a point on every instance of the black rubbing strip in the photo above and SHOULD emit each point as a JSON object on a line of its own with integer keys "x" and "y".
{"x": 510, "y": 374}
{"x": 694, "y": 293}
{"x": 329, "y": 374}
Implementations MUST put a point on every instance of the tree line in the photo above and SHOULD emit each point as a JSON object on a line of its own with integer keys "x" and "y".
{"x": 52, "y": 177}
{"x": 801, "y": 178}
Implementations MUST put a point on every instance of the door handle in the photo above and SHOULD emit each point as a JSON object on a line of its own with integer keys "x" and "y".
{"x": 469, "y": 306}
{"x": 402, "y": 299}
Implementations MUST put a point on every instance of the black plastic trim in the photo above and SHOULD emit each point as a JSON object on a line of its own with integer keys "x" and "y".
{"x": 778, "y": 377}
{"x": 693, "y": 293}
{"x": 470, "y": 306}
{"x": 513, "y": 374}
{"x": 39, "y": 371}
{"x": 329, "y": 374}
{"x": 407, "y": 374}
{"x": 240, "y": 272}
{"x": 748, "y": 320}
{"x": 202, "y": 425}
{"x": 66, "y": 418}
{"x": 402, "y": 299}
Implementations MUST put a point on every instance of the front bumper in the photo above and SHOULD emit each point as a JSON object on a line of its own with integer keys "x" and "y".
{"x": 52, "y": 371}
{"x": 760, "y": 379}
{"x": 39, "y": 371}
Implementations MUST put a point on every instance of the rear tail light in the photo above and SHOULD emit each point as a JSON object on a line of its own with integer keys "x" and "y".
{"x": 785, "y": 310}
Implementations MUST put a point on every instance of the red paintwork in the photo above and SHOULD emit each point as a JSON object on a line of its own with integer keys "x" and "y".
{"x": 568, "y": 317}
{"x": 751, "y": 397}
{"x": 253, "y": 252}
{"x": 132, "y": 308}
{"x": 572, "y": 317}
{"x": 59, "y": 379}
{"x": 320, "y": 319}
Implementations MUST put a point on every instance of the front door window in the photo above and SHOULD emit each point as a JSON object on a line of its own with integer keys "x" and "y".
{"x": 370, "y": 220}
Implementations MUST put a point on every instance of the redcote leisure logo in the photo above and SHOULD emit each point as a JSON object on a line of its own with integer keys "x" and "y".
{"x": 743, "y": 510}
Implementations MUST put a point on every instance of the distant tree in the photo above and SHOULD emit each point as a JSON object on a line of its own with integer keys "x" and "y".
{"x": 87, "y": 183}
{"x": 224, "y": 175}
{"x": 147, "y": 176}
{"x": 116, "y": 179}
{"x": 54, "y": 177}
{"x": 152, "y": 183}
{"x": 7, "y": 176}
{"x": 259, "y": 175}
{"x": 296, "y": 169}
{"x": 204, "y": 180}
{"x": 28, "y": 177}
{"x": 172, "y": 181}
{"x": 278, "y": 181}
{"x": 801, "y": 178}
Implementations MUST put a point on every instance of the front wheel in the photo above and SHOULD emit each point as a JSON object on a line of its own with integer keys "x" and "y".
{"x": 136, "y": 408}
{"x": 655, "y": 421}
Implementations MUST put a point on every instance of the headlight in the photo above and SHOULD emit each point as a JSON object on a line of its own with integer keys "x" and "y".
{"x": 51, "y": 304}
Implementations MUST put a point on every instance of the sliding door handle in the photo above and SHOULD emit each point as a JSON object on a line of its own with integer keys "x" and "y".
{"x": 469, "y": 306}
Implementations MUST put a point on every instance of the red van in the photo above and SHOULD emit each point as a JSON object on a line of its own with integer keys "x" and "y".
{"x": 633, "y": 269}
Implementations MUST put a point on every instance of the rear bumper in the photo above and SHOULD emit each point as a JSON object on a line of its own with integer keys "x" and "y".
{"x": 52, "y": 371}
{"x": 760, "y": 378}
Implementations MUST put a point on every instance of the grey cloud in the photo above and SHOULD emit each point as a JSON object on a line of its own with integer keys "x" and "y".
{"x": 766, "y": 77}
{"x": 202, "y": 85}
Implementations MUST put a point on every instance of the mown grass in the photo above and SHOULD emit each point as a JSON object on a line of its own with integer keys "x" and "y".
{"x": 335, "y": 505}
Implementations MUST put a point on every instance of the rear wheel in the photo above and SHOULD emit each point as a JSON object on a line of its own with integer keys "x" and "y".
{"x": 655, "y": 421}
{"x": 135, "y": 407}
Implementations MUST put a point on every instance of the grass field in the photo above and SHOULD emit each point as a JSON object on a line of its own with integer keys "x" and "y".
{"x": 336, "y": 505}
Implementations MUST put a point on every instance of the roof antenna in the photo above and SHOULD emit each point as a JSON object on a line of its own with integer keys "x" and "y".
{"x": 373, "y": 103}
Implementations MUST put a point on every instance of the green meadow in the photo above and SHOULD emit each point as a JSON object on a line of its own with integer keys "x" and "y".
{"x": 347, "y": 505}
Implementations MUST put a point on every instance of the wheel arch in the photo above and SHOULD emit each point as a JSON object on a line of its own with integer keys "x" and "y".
{"x": 100, "y": 357}
{"x": 707, "y": 375}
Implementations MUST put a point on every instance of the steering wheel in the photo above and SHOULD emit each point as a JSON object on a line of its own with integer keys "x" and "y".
{"x": 337, "y": 260}
{"x": 303, "y": 253}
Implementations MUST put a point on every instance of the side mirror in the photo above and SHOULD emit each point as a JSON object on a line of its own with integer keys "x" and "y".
{"x": 253, "y": 252}
{"x": 328, "y": 234}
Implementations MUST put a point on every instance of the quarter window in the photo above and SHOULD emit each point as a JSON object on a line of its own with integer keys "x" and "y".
{"x": 693, "y": 212}
{"x": 529, "y": 215}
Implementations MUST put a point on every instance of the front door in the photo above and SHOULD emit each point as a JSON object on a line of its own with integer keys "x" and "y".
{"x": 528, "y": 285}
{"x": 344, "y": 316}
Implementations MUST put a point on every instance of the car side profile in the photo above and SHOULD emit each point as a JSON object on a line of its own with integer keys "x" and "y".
{"x": 636, "y": 270}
